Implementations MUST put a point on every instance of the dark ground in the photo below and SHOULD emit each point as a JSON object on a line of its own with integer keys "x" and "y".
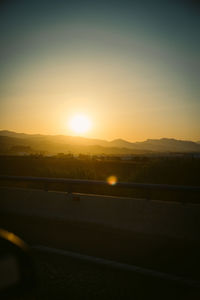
{"x": 65, "y": 278}
{"x": 61, "y": 277}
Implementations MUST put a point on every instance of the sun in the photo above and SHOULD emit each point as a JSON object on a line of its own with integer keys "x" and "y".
{"x": 79, "y": 124}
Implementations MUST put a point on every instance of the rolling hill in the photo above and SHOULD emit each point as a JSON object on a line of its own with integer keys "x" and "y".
{"x": 52, "y": 144}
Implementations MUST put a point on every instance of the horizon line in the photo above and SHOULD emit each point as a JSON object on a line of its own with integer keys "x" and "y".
{"x": 94, "y": 138}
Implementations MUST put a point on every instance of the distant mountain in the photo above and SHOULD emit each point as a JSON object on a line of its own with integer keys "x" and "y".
{"x": 60, "y": 143}
{"x": 169, "y": 145}
{"x": 160, "y": 145}
{"x": 121, "y": 144}
{"x": 46, "y": 144}
{"x": 72, "y": 140}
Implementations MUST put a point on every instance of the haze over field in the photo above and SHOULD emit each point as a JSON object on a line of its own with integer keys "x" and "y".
{"x": 101, "y": 69}
{"x": 12, "y": 143}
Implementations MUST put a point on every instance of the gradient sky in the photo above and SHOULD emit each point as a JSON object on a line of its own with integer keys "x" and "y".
{"x": 131, "y": 66}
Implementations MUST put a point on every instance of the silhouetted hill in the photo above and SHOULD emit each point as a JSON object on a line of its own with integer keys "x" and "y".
{"x": 52, "y": 144}
{"x": 56, "y": 144}
{"x": 160, "y": 145}
{"x": 121, "y": 144}
{"x": 171, "y": 145}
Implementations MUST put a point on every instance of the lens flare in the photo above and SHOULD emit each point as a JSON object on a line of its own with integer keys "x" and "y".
{"x": 112, "y": 180}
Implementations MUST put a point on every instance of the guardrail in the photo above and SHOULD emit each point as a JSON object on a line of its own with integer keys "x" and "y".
{"x": 68, "y": 181}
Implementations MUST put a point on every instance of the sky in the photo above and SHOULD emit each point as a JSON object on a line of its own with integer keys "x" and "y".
{"x": 132, "y": 67}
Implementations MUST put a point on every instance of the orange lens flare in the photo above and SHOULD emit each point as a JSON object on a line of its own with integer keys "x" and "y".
{"x": 112, "y": 180}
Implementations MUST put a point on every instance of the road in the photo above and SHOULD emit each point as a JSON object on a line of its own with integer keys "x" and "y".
{"x": 65, "y": 277}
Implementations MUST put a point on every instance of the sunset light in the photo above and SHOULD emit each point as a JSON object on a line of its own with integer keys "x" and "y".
{"x": 79, "y": 124}
{"x": 117, "y": 64}
{"x": 100, "y": 148}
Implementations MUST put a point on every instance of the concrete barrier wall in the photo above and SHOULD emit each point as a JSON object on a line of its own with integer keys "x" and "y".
{"x": 170, "y": 219}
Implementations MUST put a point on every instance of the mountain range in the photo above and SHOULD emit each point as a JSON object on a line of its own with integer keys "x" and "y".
{"x": 52, "y": 144}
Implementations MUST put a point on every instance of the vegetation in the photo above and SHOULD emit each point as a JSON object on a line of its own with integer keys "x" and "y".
{"x": 169, "y": 170}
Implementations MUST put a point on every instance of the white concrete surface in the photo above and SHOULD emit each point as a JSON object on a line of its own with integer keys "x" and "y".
{"x": 170, "y": 219}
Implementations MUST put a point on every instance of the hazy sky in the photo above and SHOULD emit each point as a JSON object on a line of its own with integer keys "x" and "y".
{"x": 131, "y": 66}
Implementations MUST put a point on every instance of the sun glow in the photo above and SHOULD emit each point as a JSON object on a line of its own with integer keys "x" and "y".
{"x": 79, "y": 124}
